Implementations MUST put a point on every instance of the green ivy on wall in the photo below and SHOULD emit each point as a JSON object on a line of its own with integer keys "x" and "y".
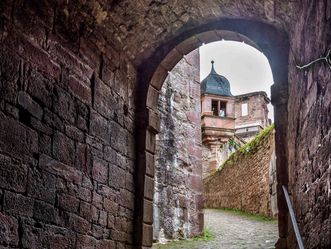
{"x": 249, "y": 148}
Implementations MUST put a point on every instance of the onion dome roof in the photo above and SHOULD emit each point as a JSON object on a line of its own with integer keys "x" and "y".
{"x": 215, "y": 84}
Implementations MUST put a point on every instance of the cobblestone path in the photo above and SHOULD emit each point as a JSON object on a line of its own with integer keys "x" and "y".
{"x": 232, "y": 232}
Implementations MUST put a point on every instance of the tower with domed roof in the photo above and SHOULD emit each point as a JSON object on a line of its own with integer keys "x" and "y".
{"x": 215, "y": 84}
{"x": 227, "y": 119}
{"x": 217, "y": 114}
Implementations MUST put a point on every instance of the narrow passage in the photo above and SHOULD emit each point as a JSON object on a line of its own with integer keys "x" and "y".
{"x": 232, "y": 231}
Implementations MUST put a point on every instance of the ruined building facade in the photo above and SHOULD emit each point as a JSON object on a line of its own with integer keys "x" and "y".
{"x": 228, "y": 121}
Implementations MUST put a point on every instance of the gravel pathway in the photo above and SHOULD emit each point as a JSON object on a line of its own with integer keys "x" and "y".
{"x": 232, "y": 231}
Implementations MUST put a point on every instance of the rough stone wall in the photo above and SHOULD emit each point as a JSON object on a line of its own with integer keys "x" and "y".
{"x": 205, "y": 160}
{"x": 178, "y": 189}
{"x": 222, "y": 154}
{"x": 243, "y": 181}
{"x": 309, "y": 130}
{"x": 273, "y": 184}
{"x": 119, "y": 31}
{"x": 257, "y": 110}
{"x": 66, "y": 133}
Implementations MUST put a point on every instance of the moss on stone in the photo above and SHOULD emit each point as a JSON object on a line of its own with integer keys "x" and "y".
{"x": 249, "y": 148}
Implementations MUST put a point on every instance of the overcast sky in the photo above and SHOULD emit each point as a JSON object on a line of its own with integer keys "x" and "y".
{"x": 246, "y": 68}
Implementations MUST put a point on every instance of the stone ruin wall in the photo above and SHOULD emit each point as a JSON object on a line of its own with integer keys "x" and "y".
{"x": 222, "y": 153}
{"x": 42, "y": 51}
{"x": 248, "y": 183}
{"x": 177, "y": 198}
{"x": 257, "y": 110}
{"x": 66, "y": 134}
{"x": 257, "y": 114}
{"x": 309, "y": 129}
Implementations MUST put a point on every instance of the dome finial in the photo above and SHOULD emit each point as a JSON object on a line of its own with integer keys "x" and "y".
{"x": 215, "y": 84}
{"x": 212, "y": 67}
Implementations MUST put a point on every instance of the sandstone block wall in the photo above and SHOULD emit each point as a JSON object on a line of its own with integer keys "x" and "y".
{"x": 244, "y": 182}
{"x": 222, "y": 153}
{"x": 66, "y": 133}
{"x": 309, "y": 132}
{"x": 67, "y": 40}
{"x": 178, "y": 188}
{"x": 257, "y": 110}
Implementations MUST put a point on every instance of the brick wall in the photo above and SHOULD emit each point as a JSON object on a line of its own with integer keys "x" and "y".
{"x": 177, "y": 198}
{"x": 66, "y": 133}
{"x": 243, "y": 181}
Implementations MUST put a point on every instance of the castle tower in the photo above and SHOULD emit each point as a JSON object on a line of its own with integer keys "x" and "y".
{"x": 224, "y": 116}
{"x": 217, "y": 116}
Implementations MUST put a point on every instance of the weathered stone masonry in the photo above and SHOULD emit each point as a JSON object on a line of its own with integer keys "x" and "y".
{"x": 66, "y": 132}
{"x": 295, "y": 32}
{"x": 112, "y": 48}
{"x": 178, "y": 189}
{"x": 244, "y": 182}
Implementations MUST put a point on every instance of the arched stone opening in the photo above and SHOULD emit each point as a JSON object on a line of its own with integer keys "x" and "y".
{"x": 152, "y": 73}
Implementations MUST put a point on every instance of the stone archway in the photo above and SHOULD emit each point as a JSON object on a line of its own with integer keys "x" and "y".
{"x": 268, "y": 39}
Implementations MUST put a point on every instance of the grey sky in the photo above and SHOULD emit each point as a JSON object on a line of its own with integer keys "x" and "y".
{"x": 246, "y": 68}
